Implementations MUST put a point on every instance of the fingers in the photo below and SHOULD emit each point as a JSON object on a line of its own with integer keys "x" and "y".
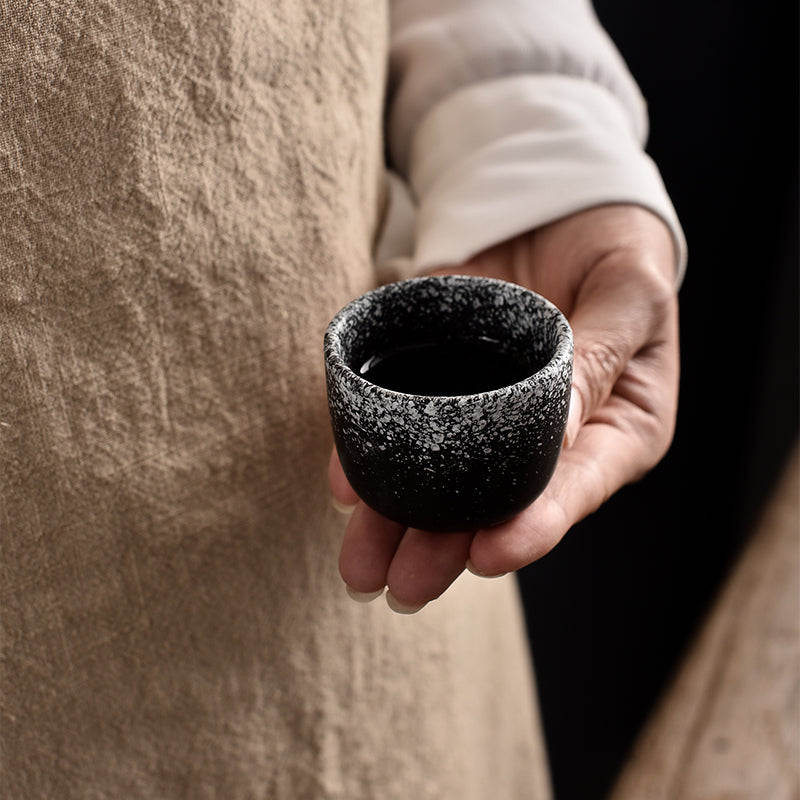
{"x": 603, "y": 458}
{"x": 369, "y": 544}
{"x": 618, "y": 443}
{"x": 417, "y": 566}
{"x": 424, "y": 565}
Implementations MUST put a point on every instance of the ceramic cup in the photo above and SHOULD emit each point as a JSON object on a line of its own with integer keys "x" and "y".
{"x": 448, "y": 398}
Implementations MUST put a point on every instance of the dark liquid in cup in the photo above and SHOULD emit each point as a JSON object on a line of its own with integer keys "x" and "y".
{"x": 451, "y": 367}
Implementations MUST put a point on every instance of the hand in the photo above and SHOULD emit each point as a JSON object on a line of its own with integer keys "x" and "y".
{"x": 611, "y": 271}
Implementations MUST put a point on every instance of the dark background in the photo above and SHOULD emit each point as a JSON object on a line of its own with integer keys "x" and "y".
{"x": 612, "y": 608}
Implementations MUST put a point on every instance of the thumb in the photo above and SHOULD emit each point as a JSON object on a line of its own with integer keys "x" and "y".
{"x": 611, "y": 321}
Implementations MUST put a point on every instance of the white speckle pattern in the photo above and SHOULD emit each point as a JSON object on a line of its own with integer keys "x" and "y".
{"x": 458, "y": 462}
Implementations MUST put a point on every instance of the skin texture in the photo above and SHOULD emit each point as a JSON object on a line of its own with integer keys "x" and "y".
{"x": 611, "y": 270}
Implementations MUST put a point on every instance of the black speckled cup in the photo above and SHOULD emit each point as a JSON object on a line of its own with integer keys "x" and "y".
{"x": 449, "y": 462}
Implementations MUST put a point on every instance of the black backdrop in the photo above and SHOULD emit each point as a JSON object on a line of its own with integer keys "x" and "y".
{"x": 612, "y": 608}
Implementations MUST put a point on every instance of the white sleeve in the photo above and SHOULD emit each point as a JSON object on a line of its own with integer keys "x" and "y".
{"x": 504, "y": 115}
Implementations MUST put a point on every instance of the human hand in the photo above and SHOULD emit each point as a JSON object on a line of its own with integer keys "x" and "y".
{"x": 610, "y": 269}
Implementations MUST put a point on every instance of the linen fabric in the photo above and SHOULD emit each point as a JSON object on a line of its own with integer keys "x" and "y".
{"x": 190, "y": 191}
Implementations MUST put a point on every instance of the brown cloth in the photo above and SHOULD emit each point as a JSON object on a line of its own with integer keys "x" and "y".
{"x": 189, "y": 192}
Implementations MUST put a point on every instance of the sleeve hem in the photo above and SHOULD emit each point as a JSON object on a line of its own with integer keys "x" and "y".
{"x": 501, "y": 157}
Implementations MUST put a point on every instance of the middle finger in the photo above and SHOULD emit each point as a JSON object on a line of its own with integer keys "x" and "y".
{"x": 424, "y": 565}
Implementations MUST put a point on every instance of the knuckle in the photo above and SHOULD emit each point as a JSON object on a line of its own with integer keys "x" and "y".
{"x": 661, "y": 295}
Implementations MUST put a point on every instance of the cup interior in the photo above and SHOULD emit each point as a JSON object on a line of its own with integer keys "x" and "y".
{"x": 521, "y": 326}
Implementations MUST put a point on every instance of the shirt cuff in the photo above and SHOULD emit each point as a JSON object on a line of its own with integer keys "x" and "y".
{"x": 501, "y": 157}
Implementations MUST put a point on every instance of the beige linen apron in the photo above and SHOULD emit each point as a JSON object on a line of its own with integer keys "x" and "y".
{"x": 189, "y": 191}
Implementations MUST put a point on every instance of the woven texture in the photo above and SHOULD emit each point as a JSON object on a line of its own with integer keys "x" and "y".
{"x": 189, "y": 192}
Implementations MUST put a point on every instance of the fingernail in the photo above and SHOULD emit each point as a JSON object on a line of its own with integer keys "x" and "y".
{"x": 475, "y": 571}
{"x": 343, "y": 508}
{"x": 401, "y": 608}
{"x": 363, "y": 597}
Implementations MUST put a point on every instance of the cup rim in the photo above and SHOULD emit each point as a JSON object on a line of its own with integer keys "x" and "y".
{"x": 334, "y": 359}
